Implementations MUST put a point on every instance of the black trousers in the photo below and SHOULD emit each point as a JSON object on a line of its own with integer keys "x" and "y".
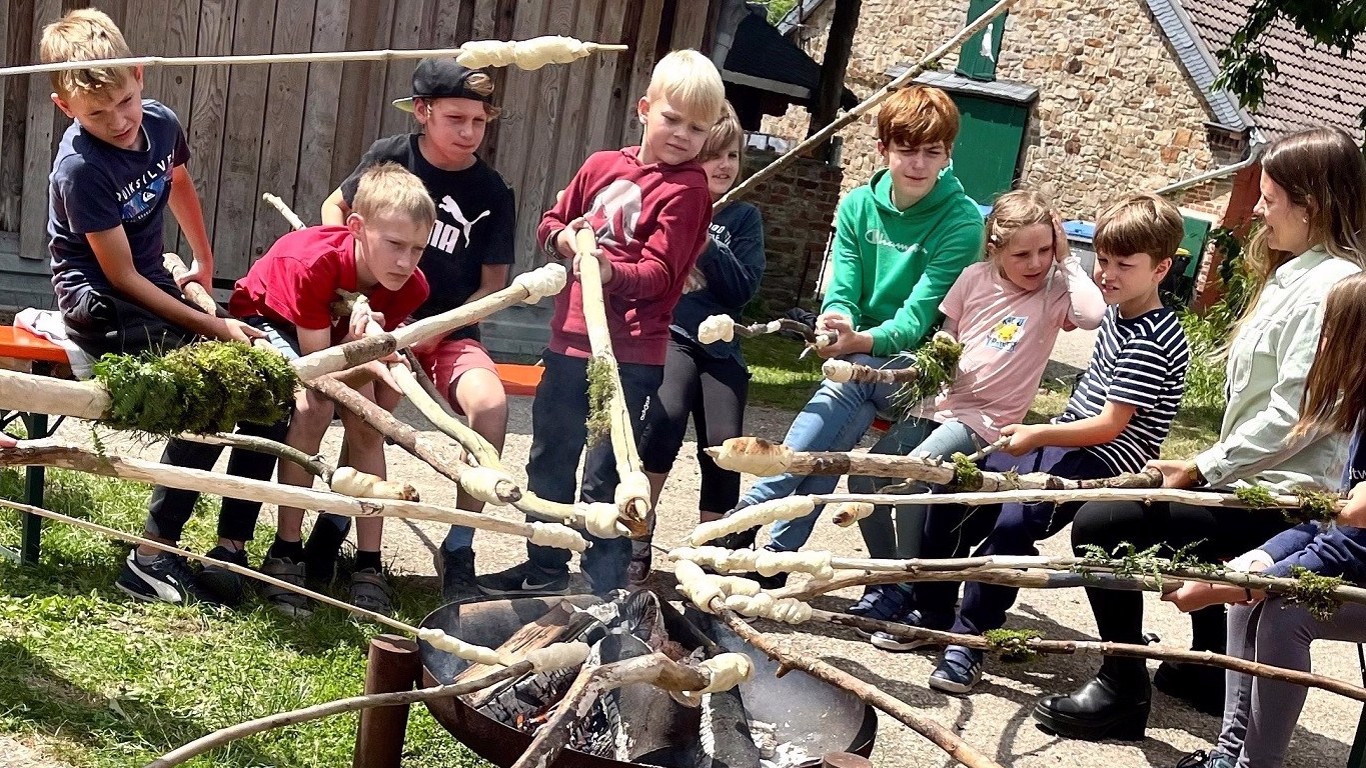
{"x": 1214, "y": 534}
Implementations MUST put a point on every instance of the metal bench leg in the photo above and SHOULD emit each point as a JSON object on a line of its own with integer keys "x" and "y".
{"x": 34, "y": 477}
{"x": 1357, "y": 758}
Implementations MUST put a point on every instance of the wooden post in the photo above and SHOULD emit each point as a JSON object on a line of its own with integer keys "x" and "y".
{"x": 393, "y": 665}
{"x": 839, "y": 43}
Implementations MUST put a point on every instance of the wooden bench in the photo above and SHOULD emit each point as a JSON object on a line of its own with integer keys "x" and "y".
{"x": 25, "y": 351}
{"x": 520, "y": 379}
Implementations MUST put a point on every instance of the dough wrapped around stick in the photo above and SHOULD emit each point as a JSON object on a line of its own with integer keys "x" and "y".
{"x": 764, "y": 562}
{"x": 752, "y": 455}
{"x": 350, "y": 481}
{"x": 751, "y": 517}
{"x": 850, "y": 512}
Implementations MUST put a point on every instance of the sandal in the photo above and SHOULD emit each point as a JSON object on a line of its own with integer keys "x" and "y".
{"x": 286, "y": 602}
{"x": 370, "y": 590}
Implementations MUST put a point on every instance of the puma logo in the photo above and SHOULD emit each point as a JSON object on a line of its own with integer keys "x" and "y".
{"x": 447, "y": 236}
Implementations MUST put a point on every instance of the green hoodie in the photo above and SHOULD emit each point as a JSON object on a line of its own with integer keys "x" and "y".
{"x": 891, "y": 267}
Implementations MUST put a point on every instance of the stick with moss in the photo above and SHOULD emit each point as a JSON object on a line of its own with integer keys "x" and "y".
{"x": 607, "y": 402}
{"x": 1025, "y": 645}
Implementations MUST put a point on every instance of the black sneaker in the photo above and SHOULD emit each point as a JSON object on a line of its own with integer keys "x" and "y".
{"x": 524, "y": 579}
{"x": 457, "y": 574}
{"x": 220, "y": 582}
{"x": 166, "y": 579}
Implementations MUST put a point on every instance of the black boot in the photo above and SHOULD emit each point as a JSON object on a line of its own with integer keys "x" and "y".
{"x": 1098, "y": 710}
{"x": 1199, "y": 686}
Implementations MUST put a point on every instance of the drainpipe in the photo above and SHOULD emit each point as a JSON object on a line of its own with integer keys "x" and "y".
{"x": 1253, "y": 155}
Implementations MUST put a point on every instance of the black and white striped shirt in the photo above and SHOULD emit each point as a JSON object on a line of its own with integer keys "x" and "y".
{"x": 1141, "y": 362}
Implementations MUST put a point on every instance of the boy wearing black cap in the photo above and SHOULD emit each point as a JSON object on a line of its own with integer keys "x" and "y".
{"x": 468, "y": 256}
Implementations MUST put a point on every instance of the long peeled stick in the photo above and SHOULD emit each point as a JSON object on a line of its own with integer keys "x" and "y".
{"x": 476, "y": 54}
{"x": 633, "y": 488}
{"x": 929, "y": 61}
{"x": 941, "y": 736}
{"x": 528, "y": 287}
{"x": 50, "y": 453}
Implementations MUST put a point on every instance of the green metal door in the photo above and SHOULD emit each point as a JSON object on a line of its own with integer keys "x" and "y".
{"x": 990, "y": 140}
{"x": 977, "y": 57}
{"x": 1197, "y": 230}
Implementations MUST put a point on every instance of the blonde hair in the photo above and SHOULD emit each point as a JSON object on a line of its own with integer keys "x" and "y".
{"x": 1140, "y": 224}
{"x": 1014, "y": 211}
{"x": 85, "y": 35}
{"x": 918, "y": 115}
{"x": 691, "y": 84}
{"x": 389, "y": 188}
{"x": 1323, "y": 171}
{"x": 725, "y": 134}
{"x": 1334, "y": 397}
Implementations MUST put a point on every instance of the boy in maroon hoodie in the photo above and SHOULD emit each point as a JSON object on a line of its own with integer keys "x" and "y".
{"x": 649, "y": 207}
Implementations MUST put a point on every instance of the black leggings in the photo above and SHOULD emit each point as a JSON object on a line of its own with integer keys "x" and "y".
{"x": 1222, "y": 534}
{"x": 713, "y": 391}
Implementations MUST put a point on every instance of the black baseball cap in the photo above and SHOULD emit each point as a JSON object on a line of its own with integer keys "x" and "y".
{"x": 439, "y": 79}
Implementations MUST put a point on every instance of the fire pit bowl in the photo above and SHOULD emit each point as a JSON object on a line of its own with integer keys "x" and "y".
{"x": 806, "y": 713}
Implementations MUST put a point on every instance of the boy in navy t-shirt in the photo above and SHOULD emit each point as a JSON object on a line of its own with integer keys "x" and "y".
{"x": 119, "y": 167}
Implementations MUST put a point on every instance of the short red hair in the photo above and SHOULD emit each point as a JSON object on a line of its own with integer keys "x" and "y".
{"x": 918, "y": 115}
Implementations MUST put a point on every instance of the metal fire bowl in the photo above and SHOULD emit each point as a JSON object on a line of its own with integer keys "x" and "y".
{"x": 811, "y": 713}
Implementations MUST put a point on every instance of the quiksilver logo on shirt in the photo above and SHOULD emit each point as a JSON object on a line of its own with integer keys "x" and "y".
{"x": 878, "y": 237}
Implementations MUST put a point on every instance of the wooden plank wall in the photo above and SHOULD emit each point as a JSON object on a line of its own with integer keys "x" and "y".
{"x": 297, "y": 130}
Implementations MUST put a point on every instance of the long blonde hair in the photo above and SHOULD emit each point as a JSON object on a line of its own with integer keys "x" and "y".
{"x": 1321, "y": 170}
{"x": 1335, "y": 390}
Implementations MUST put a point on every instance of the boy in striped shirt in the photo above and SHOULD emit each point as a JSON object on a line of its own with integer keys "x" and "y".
{"x": 1115, "y": 422}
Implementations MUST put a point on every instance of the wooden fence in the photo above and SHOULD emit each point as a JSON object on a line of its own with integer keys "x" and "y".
{"x": 298, "y": 129}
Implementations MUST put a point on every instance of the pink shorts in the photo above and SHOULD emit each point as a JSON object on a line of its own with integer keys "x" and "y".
{"x": 446, "y": 362}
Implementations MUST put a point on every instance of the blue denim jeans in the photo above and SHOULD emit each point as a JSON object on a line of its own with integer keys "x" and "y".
{"x": 894, "y": 532}
{"x": 558, "y": 437}
{"x": 833, "y": 420}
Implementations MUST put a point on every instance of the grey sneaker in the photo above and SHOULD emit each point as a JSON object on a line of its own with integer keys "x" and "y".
{"x": 371, "y": 591}
{"x": 292, "y": 573}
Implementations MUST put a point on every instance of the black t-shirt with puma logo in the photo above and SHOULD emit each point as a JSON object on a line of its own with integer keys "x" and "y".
{"x": 475, "y": 221}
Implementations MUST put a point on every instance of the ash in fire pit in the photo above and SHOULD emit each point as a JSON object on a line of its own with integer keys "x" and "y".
{"x": 768, "y": 722}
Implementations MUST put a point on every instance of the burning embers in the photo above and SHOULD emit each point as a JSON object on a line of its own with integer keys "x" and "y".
{"x": 644, "y": 724}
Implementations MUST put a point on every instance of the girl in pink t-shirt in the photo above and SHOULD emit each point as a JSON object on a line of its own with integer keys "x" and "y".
{"x": 1006, "y": 311}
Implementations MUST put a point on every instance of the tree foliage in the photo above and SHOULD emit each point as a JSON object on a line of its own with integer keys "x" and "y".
{"x": 1246, "y": 65}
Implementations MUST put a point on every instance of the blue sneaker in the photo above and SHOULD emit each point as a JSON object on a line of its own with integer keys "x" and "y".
{"x": 889, "y": 642}
{"x": 958, "y": 671}
{"x": 887, "y": 603}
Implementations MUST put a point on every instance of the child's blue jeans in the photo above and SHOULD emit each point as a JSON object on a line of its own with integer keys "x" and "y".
{"x": 833, "y": 420}
{"x": 558, "y": 437}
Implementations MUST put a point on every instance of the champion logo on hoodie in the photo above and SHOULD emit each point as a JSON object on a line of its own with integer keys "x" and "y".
{"x": 878, "y": 237}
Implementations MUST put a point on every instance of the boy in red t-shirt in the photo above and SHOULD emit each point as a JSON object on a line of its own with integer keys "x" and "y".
{"x": 293, "y": 287}
{"x": 650, "y": 208}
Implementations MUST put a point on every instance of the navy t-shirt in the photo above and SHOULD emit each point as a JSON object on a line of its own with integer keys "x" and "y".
{"x": 96, "y": 186}
{"x": 474, "y": 224}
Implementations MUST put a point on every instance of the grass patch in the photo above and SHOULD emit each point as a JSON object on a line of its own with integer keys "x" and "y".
{"x": 777, "y": 378}
{"x": 102, "y": 681}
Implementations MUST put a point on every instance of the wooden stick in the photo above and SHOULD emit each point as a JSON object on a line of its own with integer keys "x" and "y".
{"x": 1092, "y": 647}
{"x": 318, "y": 57}
{"x": 1045, "y": 573}
{"x": 929, "y": 61}
{"x": 361, "y": 351}
{"x": 422, "y": 393}
{"x": 232, "y": 733}
{"x": 275, "y": 202}
{"x": 633, "y": 490}
{"x": 233, "y": 567}
{"x": 315, "y": 465}
{"x": 843, "y": 370}
{"x": 54, "y": 454}
{"x": 595, "y": 680}
{"x": 1139, "y": 494}
{"x": 940, "y": 736}
{"x": 58, "y": 397}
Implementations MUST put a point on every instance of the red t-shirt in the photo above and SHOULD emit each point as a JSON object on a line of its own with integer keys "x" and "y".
{"x": 651, "y": 222}
{"x": 297, "y": 281}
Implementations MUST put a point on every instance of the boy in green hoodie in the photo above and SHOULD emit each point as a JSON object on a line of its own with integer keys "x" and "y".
{"x": 900, "y": 242}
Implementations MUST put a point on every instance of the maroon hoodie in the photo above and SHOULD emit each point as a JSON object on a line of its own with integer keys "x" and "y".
{"x": 651, "y": 223}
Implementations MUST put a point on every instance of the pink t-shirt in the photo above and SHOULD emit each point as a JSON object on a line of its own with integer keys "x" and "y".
{"x": 1007, "y": 335}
